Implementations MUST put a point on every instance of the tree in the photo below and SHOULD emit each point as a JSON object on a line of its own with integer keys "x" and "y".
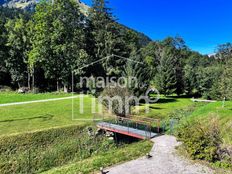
{"x": 206, "y": 78}
{"x": 3, "y": 48}
{"x": 179, "y": 53}
{"x": 59, "y": 40}
{"x": 5, "y": 15}
{"x": 19, "y": 45}
{"x": 107, "y": 38}
{"x": 224, "y": 52}
{"x": 225, "y": 82}
{"x": 151, "y": 54}
{"x": 138, "y": 74}
{"x": 166, "y": 77}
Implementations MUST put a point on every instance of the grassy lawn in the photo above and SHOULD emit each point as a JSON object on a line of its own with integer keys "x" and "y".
{"x": 105, "y": 159}
{"x": 223, "y": 114}
{"x": 11, "y": 97}
{"x": 36, "y": 116}
{"x": 165, "y": 106}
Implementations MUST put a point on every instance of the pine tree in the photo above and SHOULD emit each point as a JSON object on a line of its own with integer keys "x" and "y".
{"x": 138, "y": 74}
{"x": 107, "y": 37}
{"x": 166, "y": 77}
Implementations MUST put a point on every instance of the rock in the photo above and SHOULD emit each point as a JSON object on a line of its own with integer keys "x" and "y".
{"x": 90, "y": 131}
{"x": 23, "y": 90}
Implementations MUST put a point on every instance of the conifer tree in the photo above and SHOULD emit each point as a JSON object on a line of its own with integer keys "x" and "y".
{"x": 138, "y": 74}
{"x": 106, "y": 37}
{"x": 166, "y": 76}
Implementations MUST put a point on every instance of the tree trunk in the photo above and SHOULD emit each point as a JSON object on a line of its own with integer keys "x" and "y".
{"x": 29, "y": 80}
{"x": 19, "y": 85}
{"x": 57, "y": 86}
{"x": 33, "y": 81}
{"x": 65, "y": 89}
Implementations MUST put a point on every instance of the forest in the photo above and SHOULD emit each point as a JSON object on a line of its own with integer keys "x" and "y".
{"x": 41, "y": 49}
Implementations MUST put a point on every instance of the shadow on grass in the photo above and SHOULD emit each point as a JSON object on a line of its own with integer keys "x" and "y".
{"x": 162, "y": 100}
{"x": 181, "y": 96}
{"x": 153, "y": 107}
{"x": 166, "y": 100}
{"x": 44, "y": 117}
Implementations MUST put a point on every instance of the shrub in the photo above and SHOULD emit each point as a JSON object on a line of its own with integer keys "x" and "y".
{"x": 201, "y": 140}
{"x": 119, "y": 107}
{"x": 5, "y": 89}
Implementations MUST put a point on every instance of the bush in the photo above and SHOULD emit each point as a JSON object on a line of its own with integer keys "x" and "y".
{"x": 5, "y": 89}
{"x": 201, "y": 140}
{"x": 118, "y": 96}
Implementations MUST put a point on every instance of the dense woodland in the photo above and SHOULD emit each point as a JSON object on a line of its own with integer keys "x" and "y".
{"x": 41, "y": 49}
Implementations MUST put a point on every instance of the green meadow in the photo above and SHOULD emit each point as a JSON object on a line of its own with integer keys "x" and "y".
{"x": 37, "y": 116}
{"x": 11, "y": 97}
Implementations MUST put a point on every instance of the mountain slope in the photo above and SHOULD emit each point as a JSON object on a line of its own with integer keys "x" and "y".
{"x": 30, "y": 5}
{"x": 21, "y": 4}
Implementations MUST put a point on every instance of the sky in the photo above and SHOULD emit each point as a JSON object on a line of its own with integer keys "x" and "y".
{"x": 203, "y": 24}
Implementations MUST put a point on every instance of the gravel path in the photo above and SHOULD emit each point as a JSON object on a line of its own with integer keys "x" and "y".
{"x": 164, "y": 161}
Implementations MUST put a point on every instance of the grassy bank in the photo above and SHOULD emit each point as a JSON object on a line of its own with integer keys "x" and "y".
{"x": 71, "y": 147}
{"x": 206, "y": 134}
{"x": 223, "y": 114}
{"x": 105, "y": 159}
{"x": 40, "y": 151}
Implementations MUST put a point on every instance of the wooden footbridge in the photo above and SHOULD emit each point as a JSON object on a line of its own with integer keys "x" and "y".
{"x": 137, "y": 127}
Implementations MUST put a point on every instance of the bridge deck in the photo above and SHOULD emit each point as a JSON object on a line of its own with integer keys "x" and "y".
{"x": 141, "y": 134}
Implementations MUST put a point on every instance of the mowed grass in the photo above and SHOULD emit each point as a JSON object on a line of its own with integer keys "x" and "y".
{"x": 223, "y": 114}
{"x": 12, "y": 97}
{"x": 164, "y": 107}
{"x": 36, "y": 116}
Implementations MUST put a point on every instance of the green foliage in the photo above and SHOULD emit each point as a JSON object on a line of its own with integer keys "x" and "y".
{"x": 107, "y": 38}
{"x": 166, "y": 79}
{"x": 201, "y": 140}
{"x": 225, "y": 83}
{"x": 19, "y": 45}
{"x": 223, "y": 114}
{"x": 138, "y": 74}
{"x": 206, "y": 78}
{"x": 58, "y": 40}
{"x": 115, "y": 99}
{"x": 40, "y": 151}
